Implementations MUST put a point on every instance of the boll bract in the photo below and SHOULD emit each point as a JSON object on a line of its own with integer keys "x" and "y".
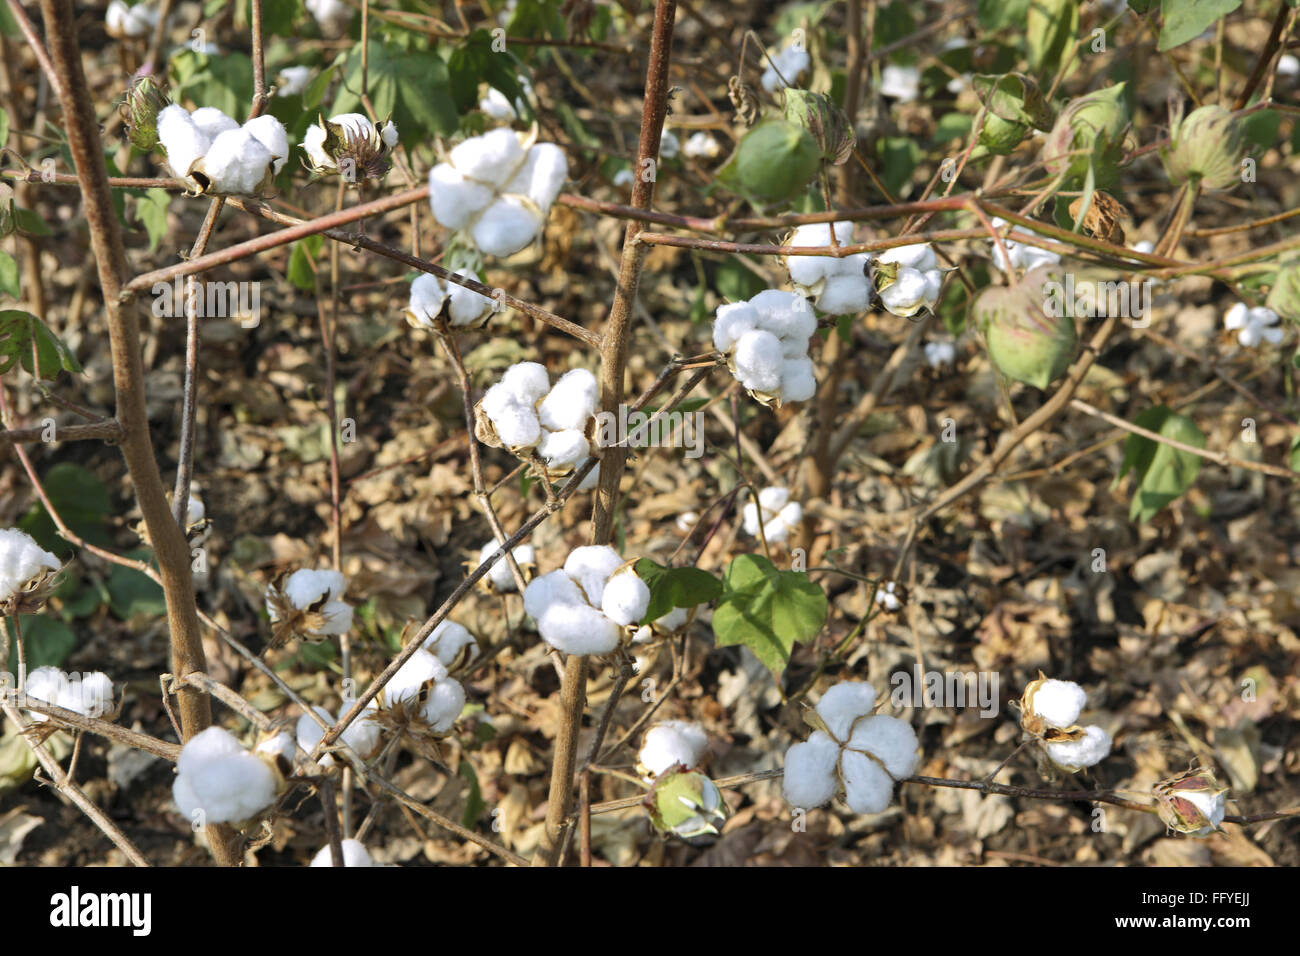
{"x": 670, "y": 744}
{"x": 26, "y": 571}
{"x": 499, "y": 578}
{"x": 465, "y": 308}
{"x": 785, "y": 67}
{"x": 1253, "y": 325}
{"x": 590, "y": 605}
{"x": 766, "y": 339}
{"x": 908, "y": 278}
{"x": 218, "y": 781}
{"x": 840, "y": 286}
{"x": 309, "y": 605}
{"x": 497, "y": 189}
{"x": 90, "y": 695}
{"x": 351, "y": 146}
{"x": 354, "y": 853}
{"x": 526, "y": 414}
{"x": 1049, "y": 710}
{"x": 780, "y": 515}
{"x": 214, "y": 154}
{"x": 853, "y": 753}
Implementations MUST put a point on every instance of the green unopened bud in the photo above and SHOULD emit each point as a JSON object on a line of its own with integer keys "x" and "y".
{"x": 1014, "y": 105}
{"x": 1089, "y": 131}
{"x": 6, "y": 209}
{"x": 144, "y": 101}
{"x": 1206, "y": 146}
{"x": 1192, "y": 802}
{"x": 824, "y": 121}
{"x": 1284, "y": 297}
{"x": 773, "y": 162}
{"x": 686, "y": 805}
{"x": 1028, "y": 341}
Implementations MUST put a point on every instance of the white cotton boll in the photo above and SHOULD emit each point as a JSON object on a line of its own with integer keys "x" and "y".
{"x": 492, "y": 158}
{"x": 517, "y": 427}
{"x": 889, "y": 740}
{"x": 785, "y": 68}
{"x": 449, "y": 639}
{"x": 497, "y": 106}
{"x": 542, "y": 175}
{"x": 236, "y": 162}
{"x": 305, "y": 586}
{"x": 939, "y": 353}
{"x": 363, "y": 735}
{"x": 124, "y": 21}
{"x": 212, "y": 122}
{"x": 933, "y": 286}
{"x": 700, "y": 145}
{"x": 773, "y": 498}
{"x": 49, "y": 685}
{"x": 906, "y": 294}
{"x": 334, "y": 16}
{"x": 270, "y": 132}
{"x": 733, "y": 320}
{"x": 354, "y": 854}
{"x": 591, "y": 566}
{"x": 798, "y": 380}
{"x": 194, "y": 510}
{"x": 207, "y": 745}
{"x": 902, "y": 83}
{"x": 309, "y": 734}
{"x": 548, "y": 590}
{"x": 281, "y": 745}
{"x": 219, "y": 778}
{"x": 592, "y": 479}
{"x": 313, "y": 144}
{"x": 427, "y": 298}
{"x": 624, "y": 177}
{"x": 578, "y": 629}
{"x": 674, "y": 620}
{"x": 467, "y": 306}
{"x": 625, "y": 598}
{"x": 92, "y": 696}
{"x": 759, "y": 361}
{"x": 497, "y": 399}
{"x": 672, "y": 743}
{"x": 571, "y": 403}
{"x": 1288, "y": 65}
{"x": 388, "y": 133}
{"x": 845, "y": 295}
{"x": 1088, "y": 750}
{"x": 454, "y": 199}
{"x": 867, "y": 788}
{"x": 444, "y": 704}
{"x": 1236, "y": 317}
{"x": 21, "y": 560}
{"x": 563, "y": 449}
{"x": 527, "y": 382}
{"x": 669, "y": 145}
{"x": 843, "y": 704}
{"x": 292, "y": 80}
{"x": 1213, "y": 805}
{"x": 918, "y": 256}
{"x": 809, "y": 778}
{"x": 790, "y": 516}
{"x": 420, "y": 668}
{"x": 1059, "y": 702}
{"x": 506, "y": 227}
{"x": 499, "y": 574}
{"x": 182, "y": 141}
{"x": 338, "y": 618}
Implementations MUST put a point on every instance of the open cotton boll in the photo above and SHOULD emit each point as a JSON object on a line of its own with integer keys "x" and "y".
{"x": 1253, "y": 325}
{"x": 517, "y": 427}
{"x": 354, "y": 854}
{"x": 212, "y": 122}
{"x": 759, "y": 360}
{"x": 281, "y": 745}
{"x": 733, "y": 320}
{"x": 219, "y": 779}
{"x": 1088, "y": 750}
{"x": 550, "y": 589}
{"x": 506, "y": 227}
{"x": 939, "y": 353}
{"x": 492, "y": 158}
{"x": 563, "y": 450}
{"x": 292, "y": 80}
{"x": 700, "y": 145}
{"x": 918, "y": 256}
{"x": 809, "y": 270}
{"x": 334, "y": 16}
{"x": 542, "y": 175}
{"x": 427, "y": 298}
{"x": 91, "y": 696}
{"x": 906, "y": 294}
{"x": 496, "y": 105}
{"x": 21, "y": 561}
{"x": 843, "y": 704}
{"x": 499, "y": 574}
{"x": 388, "y": 133}
{"x": 672, "y": 743}
{"x": 527, "y": 382}
{"x": 454, "y": 199}
{"x": 845, "y": 294}
{"x": 306, "y": 587}
{"x": 889, "y": 740}
{"x": 270, "y": 132}
{"x": 1058, "y": 702}
{"x": 902, "y": 83}
{"x": 773, "y": 498}
{"x": 420, "y": 668}
{"x": 571, "y": 403}
{"x": 467, "y": 306}
{"x": 449, "y": 639}
{"x": 809, "y": 779}
{"x": 363, "y": 735}
{"x": 309, "y": 734}
{"x": 209, "y": 744}
{"x": 785, "y": 67}
{"x": 47, "y": 684}
{"x": 625, "y": 598}
{"x": 236, "y": 162}
{"x": 121, "y": 20}
{"x": 867, "y": 788}
{"x": 182, "y": 141}
{"x": 591, "y": 566}
{"x": 578, "y": 629}
{"x": 670, "y": 146}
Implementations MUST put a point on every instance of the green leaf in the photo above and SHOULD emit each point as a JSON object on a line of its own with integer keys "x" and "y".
{"x": 675, "y": 587}
{"x": 80, "y": 499}
{"x": 1050, "y": 27}
{"x": 4, "y": 126}
{"x": 30, "y": 223}
{"x": 900, "y": 154}
{"x": 301, "y": 256}
{"x": 47, "y": 641}
{"x": 132, "y": 592}
{"x": 19, "y": 332}
{"x": 224, "y": 80}
{"x": 994, "y": 14}
{"x": 475, "y": 62}
{"x": 279, "y": 17}
{"x": 10, "y": 281}
{"x": 767, "y": 610}
{"x": 474, "y": 804}
{"x": 1185, "y": 20}
{"x": 1293, "y": 455}
{"x": 736, "y": 282}
{"x": 412, "y": 87}
{"x": 1161, "y": 473}
{"x": 151, "y": 212}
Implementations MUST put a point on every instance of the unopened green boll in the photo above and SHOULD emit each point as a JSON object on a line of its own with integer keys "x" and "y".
{"x": 1206, "y": 147}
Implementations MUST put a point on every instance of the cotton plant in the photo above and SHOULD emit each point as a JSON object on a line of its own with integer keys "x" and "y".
{"x": 1253, "y": 325}
{"x": 853, "y": 753}
{"x": 90, "y": 695}
{"x": 671, "y": 745}
{"x": 1049, "y": 711}
{"x": 421, "y": 698}
{"x": 1023, "y": 256}
{"x": 218, "y": 781}
{"x": 350, "y": 145}
{"x": 591, "y": 605}
{"x": 292, "y": 80}
{"x": 780, "y": 515}
{"x": 908, "y": 279}
{"x": 766, "y": 342}
{"x": 26, "y": 572}
{"x": 431, "y": 298}
{"x": 890, "y": 597}
{"x": 354, "y": 853}
{"x": 785, "y": 67}
{"x": 122, "y": 21}
{"x": 837, "y": 285}
{"x": 364, "y": 735}
{"x": 499, "y": 578}
{"x": 309, "y": 605}
{"x": 213, "y": 153}
{"x": 527, "y": 415}
{"x": 497, "y": 189}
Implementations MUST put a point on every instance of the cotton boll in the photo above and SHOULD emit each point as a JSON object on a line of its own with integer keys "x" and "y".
{"x": 499, "y": 574}
{"x": 939, "y": 353}
{"x": 492, "y": 158}
{"x": 449, "y": 639}
{"x": 281, "y": 745}
{"x": 121, "y": 20}
{"x": 306, "y": 587}
{"x": 809, "y": 779}
{"x": 496, "y": 105}
{"x": 219, "y": 778}
{"x": 363, "y": 735}
{"x": 843, "y": 704}
{"x": 1088, "y": 750}
{"x": 906, "y": 294}
{"x": 506, "y": 227}
{"x": 902, "y": 83}
{"x": 209, "y": 744}
{"x": 420, "y": 668}
{"x": 625, "y": 598}
{"x": 236, "y": 162}
{"x": 933, "y": 286}
{"x": 578, "y": 629}
{"x": 591, "y": 566}
{"x": 700, "y": 145}
{"x": 785, "y": 68}
{"x": 443, "y": 705}
{"x": 790, "y": 516}
{"x": 427, "y": 298}
{"x": 47, "y": 684}
{"x": 334, "y": 16}
{"x": 550, "y": 589}
{"x": 92, "y": 696}
{"x": 571, "y": 403}
{"x": 454, "y": 199}
{"x": 917, "y": 256}
{"x": 309, "y": 734}
{"x": 270, "y": 132}
{"x": 759, "y": 361}
{"x": 671, "y": 743}
{"x": 354, "y": 854}
{"x": 809, "y": 270}
{"x": 541, "y": 176}
{"x": 889, "y": 740}
{"x": 773, "y": 498}
{"x": 517, "y": 427}
{"x": 467, "y": 306}
{"x": 21, "y": 561}
{"x": 212, "y": 122}
{"x": 563, "y": 449}
{"x": 182, "y": 141}
{"x": 388, "y": 133}
{"x": 867, "y": 788}
{"x": 733, "y": 320}
{"x": 845, "y": 295}
{"x": 527, "y": 382}
{"x": 292, "y": 80}
{"x": 1058, "y": 702}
